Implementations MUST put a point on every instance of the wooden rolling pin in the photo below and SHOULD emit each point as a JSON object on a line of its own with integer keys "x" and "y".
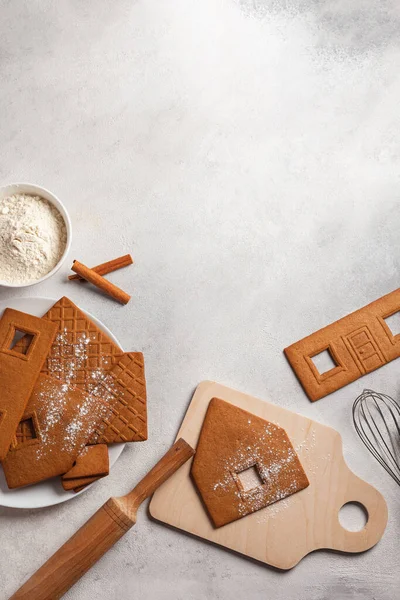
{"x": 98, "y": 534}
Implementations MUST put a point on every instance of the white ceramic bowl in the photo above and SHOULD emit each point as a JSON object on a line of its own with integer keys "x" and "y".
{"x": 37, "y": 190}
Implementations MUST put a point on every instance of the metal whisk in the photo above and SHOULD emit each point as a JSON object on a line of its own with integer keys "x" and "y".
{"x": 377, "y": 421}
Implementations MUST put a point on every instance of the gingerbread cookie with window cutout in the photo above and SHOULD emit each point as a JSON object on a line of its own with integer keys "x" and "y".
{"x": 243, "y": 463}
{"x": 84, "y": 356}
{"x": 54, "y": 429}
{"x": 348, "y": 349}
{"x": 19, "y": 368}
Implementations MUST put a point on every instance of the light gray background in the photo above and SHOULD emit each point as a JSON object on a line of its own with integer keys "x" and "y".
{"x": 247, "y": 154}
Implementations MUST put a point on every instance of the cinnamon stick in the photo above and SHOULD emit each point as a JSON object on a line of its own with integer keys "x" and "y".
{"x": 108, "y": 267}
{"x": 99, "y": 281}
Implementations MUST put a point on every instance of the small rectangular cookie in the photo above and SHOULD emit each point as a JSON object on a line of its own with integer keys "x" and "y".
{"x": 91, "y": 464}
{"x": 351, "y": 347}
{"x": 125, "y": 388}
{"x": 54, "y": 429}
{"x": 82, "y": 487}
{"x": 19, "y": 370}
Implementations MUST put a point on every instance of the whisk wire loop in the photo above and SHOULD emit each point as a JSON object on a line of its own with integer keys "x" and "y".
{"x": 377, "y": 421}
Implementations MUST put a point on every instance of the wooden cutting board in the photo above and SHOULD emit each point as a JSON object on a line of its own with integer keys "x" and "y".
{"x": 283, "y": 533}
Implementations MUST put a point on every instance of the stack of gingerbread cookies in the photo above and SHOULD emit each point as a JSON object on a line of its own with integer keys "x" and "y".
{"x": 67, "y": 392}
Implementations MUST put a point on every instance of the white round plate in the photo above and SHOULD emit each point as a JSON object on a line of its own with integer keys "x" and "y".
{"x": 49, "y": 492}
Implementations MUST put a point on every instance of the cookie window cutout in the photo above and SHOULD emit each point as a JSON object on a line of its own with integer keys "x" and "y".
{"x": 27, "y": 432}
{"x": 243, "y": 463}
{"x": 393, "y": 323}
{"x": 19, "y": 342}
{"x": 324, "y": 363}
{"x": 249, "y": 479}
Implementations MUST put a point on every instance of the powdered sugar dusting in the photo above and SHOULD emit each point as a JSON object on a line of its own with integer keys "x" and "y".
{"x": 69, "y": 356}
{"x": 275, "y": 463}
{"x": 70, "y": 362}
{"x": 59, "y": 418}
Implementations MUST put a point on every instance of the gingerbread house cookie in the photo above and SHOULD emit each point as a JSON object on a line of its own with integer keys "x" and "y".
{"x": 243, "y": 463}
{"x": 19, "y": 368}
{"x": 57, "y": 423}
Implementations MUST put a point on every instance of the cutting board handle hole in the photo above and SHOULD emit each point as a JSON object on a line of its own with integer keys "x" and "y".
{"x": 353, "y": 516}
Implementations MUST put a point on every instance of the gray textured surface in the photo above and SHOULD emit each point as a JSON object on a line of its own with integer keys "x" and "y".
{"x": 247, "y": 154}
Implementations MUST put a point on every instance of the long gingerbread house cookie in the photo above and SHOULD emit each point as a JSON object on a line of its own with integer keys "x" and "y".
{"x": 19, "y": 370}
{"x": 346, "y": 350}
{"x": 54, "y": 429}
{"x": 243, "y": 463}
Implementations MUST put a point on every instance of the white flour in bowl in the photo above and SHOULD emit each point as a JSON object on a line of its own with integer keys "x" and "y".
{"x": 33, "y": 237}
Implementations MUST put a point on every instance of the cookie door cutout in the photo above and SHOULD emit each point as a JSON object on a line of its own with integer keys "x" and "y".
{"x": 365, "y": 350}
